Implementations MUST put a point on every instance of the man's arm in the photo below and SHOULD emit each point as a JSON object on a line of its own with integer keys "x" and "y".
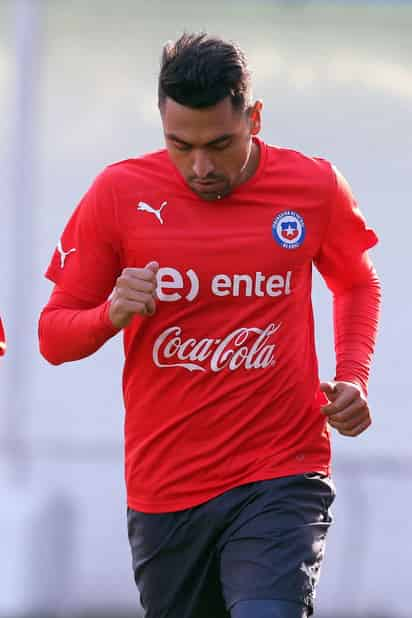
{"x": 87, "y": 270}
{"x": 71, "y": 328}
{"x": 356, "y": 315}
{"x": 347, "y": 269}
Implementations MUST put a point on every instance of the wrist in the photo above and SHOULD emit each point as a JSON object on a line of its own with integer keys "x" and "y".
{"x": 355, "y": 380}
{"x": 106, "y": 321}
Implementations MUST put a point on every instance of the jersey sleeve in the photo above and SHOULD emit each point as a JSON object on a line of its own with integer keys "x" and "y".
{"x": 86, "y": 260}
{"x": 70, "y": 329}
{"x": 2, "y": 339}
{"x": 345, "y": 241}
{"x": 344, "y": 263}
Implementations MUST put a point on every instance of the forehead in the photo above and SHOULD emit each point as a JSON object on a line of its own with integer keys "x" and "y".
{"x": 201, "y": 125}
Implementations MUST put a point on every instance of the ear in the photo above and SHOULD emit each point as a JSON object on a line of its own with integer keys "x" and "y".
{"x": 255, "y": 117}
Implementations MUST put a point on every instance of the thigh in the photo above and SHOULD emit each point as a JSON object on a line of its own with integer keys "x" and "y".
{"x": 262, "y": 608}
{"x": 274, "y": 547}
{"x": 175, "y": 564}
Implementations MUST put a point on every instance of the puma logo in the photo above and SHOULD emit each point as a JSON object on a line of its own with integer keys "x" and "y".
{"x": 157, "y": 213}
{"x": 63, "y": 254}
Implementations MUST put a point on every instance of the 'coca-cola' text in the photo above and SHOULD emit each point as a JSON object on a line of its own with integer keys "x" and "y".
{"x": 251, "y": 348}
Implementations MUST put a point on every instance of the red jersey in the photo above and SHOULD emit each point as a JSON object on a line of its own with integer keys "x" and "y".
{"x": 221, "y": 385}
{"x": 2, "y": 339}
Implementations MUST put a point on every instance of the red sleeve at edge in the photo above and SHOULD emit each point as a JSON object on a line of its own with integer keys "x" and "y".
{"x": 356, "y": 317}
{"x": 70, "y": 329}
{"x": 2, "y": 339}
{"x": 347, "y": 269}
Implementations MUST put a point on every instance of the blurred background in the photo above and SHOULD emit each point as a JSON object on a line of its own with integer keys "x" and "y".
{"x": 77, "y": 92}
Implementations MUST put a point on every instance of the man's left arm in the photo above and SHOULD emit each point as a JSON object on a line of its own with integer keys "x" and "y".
{"x": 349, "y": 273}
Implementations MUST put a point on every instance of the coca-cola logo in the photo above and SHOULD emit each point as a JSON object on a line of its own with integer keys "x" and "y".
{"x": 250, "y": 348}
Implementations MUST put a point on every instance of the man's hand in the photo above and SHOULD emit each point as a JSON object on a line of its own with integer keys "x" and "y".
{"x": 347, "y": 410}
{"x": 134, "y": 294}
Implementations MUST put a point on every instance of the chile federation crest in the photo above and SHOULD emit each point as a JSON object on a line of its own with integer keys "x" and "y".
{"x": 288, "y": 229}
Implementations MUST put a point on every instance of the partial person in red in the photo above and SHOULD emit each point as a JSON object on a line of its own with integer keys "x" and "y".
{"x": 202, "y": 255}
{"x": 2, "y": 339}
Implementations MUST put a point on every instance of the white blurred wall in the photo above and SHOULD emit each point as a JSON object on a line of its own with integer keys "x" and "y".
{"x": 336, "y": 80}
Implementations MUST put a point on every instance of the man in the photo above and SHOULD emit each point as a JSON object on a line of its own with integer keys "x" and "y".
{"x": 202, "y": 253}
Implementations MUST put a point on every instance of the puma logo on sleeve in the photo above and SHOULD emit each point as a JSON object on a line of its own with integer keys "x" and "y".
{"x": 63, "y": 254}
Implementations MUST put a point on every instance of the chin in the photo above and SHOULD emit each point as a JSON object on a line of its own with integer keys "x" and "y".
{"x": 208, "y": 197}
{"x": 211, "y": 196}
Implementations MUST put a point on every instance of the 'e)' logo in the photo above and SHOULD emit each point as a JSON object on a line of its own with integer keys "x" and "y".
{"x": 171, "y": 279}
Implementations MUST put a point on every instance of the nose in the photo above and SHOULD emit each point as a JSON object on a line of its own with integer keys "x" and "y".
{"x": 202, "y": 165}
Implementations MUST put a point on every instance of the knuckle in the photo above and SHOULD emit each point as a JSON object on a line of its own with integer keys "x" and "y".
{"x": 124, "y": 276}
{"x": 351, "y": 432}
{"x": 146, "y": 297}
{"x": 121, "y": 296}
{"x": 128, "y": 271}
{"x": 123, "y": 280}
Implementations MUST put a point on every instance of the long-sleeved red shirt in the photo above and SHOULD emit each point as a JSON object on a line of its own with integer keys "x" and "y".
{"x": 221, "y": 385}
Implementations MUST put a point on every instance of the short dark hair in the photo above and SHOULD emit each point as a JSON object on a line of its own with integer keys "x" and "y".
{"x": 199, "y": 70}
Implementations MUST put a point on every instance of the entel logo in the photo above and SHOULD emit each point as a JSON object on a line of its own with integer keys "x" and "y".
{"x": 221, "y": 285}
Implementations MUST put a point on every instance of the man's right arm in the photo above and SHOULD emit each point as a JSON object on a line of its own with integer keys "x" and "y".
{"x": 71, "y": 328}
{"x": 93, "y": 297}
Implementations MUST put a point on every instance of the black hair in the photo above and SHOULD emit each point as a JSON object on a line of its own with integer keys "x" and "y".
{"x": 199, "y": 70}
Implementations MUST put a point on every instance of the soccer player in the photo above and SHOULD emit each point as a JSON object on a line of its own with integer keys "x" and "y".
{"x": 202, "y": 253}
{"x": 2, "y": 339}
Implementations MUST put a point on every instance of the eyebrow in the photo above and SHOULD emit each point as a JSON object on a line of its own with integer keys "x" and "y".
{"x": 213, "y": 142}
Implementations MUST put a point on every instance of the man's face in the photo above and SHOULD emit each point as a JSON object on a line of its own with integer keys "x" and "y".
{"x": 210, "y": 147}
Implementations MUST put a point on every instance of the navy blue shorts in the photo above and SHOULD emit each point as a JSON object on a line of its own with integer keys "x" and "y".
{"x": 263, "y": 540}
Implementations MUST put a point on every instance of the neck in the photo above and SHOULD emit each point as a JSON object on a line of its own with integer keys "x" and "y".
{"x": 251, "y": 163}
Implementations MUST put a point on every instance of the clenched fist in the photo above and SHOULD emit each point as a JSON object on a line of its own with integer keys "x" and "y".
{"x": 348, "y": 409}
{"x": 134, "y": 294}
